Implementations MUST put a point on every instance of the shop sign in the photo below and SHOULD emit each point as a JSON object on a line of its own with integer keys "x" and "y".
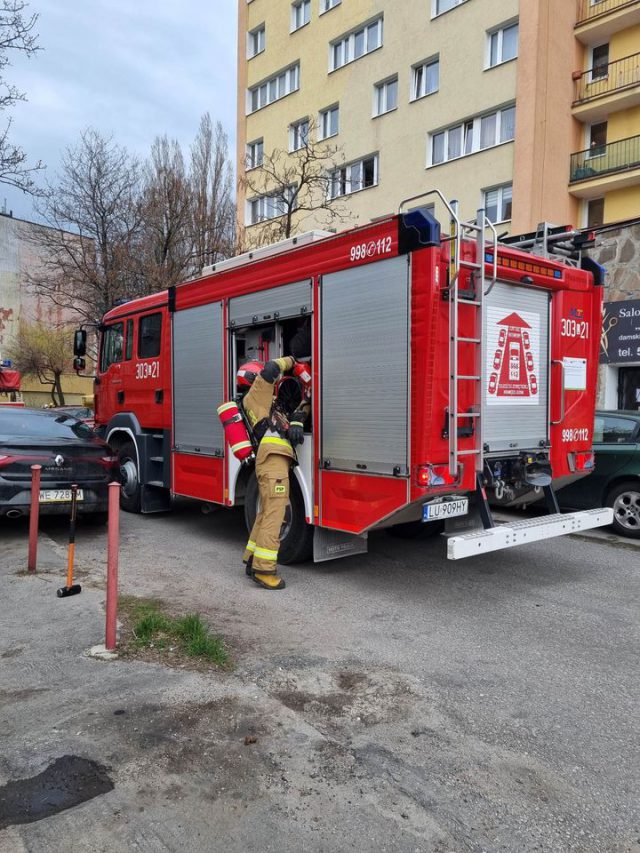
{"x": 620, "y": 339}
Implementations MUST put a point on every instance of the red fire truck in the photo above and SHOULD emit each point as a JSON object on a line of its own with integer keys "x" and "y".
{"x": 451, "y": 372}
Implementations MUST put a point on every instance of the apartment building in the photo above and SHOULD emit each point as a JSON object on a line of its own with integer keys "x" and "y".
{"x": 529, "y": 108}
{"x": 605, "y": 178}
{"x": 605, "y": 171}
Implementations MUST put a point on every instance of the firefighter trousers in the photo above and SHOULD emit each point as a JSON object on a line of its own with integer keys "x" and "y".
{"x": 273, "y": 485}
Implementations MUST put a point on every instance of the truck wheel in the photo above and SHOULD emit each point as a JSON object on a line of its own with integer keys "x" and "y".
{"x": 130, "y": 493}
{"x": 296, "y": 543}
{"x": 413, "y": 529}
{"x": 625, "y": 500}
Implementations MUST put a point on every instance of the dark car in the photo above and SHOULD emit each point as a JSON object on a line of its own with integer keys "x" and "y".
{"x": 615, "y": 481}
{"x": 68, "y": 451}
{"x": 82, "y": 413}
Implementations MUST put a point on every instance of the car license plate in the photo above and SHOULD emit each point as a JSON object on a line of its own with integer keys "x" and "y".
{"x": 52, "y": 496}
{"x": 445, "y": 509}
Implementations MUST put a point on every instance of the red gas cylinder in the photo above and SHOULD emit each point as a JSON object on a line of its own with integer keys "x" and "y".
{"x": 235, "y": 431}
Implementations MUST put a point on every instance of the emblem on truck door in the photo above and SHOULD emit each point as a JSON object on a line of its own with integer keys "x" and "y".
{"x": 513, "y": 353}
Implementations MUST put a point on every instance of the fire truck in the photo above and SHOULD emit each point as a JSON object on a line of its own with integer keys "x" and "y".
{"x": 451, "y": 372}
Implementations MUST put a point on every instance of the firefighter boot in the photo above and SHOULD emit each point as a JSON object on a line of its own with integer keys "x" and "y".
{"x": 267, "y": 580}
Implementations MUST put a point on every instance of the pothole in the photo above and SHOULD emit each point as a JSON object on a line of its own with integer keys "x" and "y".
{"x": 66, "y": 783}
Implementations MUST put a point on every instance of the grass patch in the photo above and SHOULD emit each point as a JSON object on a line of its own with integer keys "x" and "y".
{"x": 153, "y": 628}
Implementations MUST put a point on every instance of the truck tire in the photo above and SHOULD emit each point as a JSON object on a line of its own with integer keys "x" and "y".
{"x": 130, "y": 492}
{"x": 625, "y": 500}
{"x": 413, "y": 529}
{"x": 296, "y": 545}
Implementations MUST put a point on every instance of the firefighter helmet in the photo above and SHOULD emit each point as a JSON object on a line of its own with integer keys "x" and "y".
{"x": 247, "y": 373}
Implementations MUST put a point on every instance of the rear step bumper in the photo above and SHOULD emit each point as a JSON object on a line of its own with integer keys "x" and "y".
{"x": 521, "y": 532}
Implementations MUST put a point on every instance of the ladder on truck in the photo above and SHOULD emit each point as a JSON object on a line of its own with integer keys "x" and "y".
{"x": 460, "y": 231}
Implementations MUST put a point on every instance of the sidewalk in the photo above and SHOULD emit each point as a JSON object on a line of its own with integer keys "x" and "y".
{"x": 171, "y": 741}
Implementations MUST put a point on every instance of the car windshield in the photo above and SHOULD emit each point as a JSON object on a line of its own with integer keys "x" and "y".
{"x": 25, "y": 423}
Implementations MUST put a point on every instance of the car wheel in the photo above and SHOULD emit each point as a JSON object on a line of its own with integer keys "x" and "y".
{"x": 413, "y": 529}
{"x": 625, "y": 500}
{"x": 296, "y": 536}
{"x": 130, "y": 493}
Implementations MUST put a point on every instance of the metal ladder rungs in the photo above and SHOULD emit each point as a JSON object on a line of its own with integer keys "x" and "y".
{"x": 469, "y": 302}
{"x": 471, "y": 265}
{"x": 469, "y": 377}
{"x": 469, "y": 341}
{"x": 468, "y": 452}
{"x": 467, "y": 415}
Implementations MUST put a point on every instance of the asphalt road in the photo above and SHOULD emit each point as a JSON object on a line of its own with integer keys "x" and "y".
{"x": 400, "y": 701}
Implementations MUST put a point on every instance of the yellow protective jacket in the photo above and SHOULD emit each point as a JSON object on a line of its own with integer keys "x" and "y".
{"x": 257, "y": 405}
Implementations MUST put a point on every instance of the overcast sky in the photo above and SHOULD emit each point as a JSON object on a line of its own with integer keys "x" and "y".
{"x": 134, "y": 68}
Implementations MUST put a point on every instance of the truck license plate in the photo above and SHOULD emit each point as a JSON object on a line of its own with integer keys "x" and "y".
{"x": 445, "y": 509}
{"x": 51, "y": 496}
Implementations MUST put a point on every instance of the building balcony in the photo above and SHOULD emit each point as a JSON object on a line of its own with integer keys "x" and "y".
{"x": 597, "y": 20}
{"x": 603, "y": 168}
{"x": 606, "y": 89}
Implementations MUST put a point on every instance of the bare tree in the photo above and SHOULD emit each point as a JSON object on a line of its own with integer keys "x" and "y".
{"x": 296, "y": 186}
{"x": 43, "y": 352}
{"x": 16, "y": 36}
{"x": 213, "y": 211}
{"x": 166, "y": 211}
{"x": 118, "y": 229}
{"x": 88, "y": 251}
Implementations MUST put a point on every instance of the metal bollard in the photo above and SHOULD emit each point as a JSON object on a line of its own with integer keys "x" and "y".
{"x": 113, "y": 547}
{"x": 33, "y": 517}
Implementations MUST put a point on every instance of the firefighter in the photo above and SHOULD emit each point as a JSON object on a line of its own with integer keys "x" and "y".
{"x": 277, "y": 435}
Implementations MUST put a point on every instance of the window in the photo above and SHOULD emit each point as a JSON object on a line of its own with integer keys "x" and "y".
{"x": 255, "y": 153}
{"x": 597, "y": 139}
{"x": 503, "y": 45}
{"x": 276, "y": 87}
{"x": 149, "y": 331}
{"x": 300, "y": 14}
{"x": 354, "y": 177}
{"x": 425, "y": 78}
{"x": 613, "y": 430}
{"x": 473, "y": 135}
{"x": 269, "y": 206}
{"x": 440, "y": 6}
{"x": 595, "y": 212}
{"x": 497, "y": 203}
{"x": 325, "y": 5}
{"x": 385, "y": 96}
{"x": 255, "y": 41}
{"x": 600, "y": 62}
{"x": 112, "y": 341}
{"x": 329, "y": 122}
{"x": 354, "y": 45}
{"x": 128, "y": 352}
{"x": 298, "y": 134}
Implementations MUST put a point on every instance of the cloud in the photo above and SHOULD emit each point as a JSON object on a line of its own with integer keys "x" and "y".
{"x": 132, "y": 69}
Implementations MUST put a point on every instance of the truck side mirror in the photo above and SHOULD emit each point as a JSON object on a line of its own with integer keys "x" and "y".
{"x": 80, "y": 343}
{"x": 79, "y": 364}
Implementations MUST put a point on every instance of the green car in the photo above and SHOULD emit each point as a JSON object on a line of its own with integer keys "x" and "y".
{"x": 615, "y": 481}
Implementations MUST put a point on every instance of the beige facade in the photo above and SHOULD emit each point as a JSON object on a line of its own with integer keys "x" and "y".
{"x": 18, "y": 302}
{"x": 457, "y": 135}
